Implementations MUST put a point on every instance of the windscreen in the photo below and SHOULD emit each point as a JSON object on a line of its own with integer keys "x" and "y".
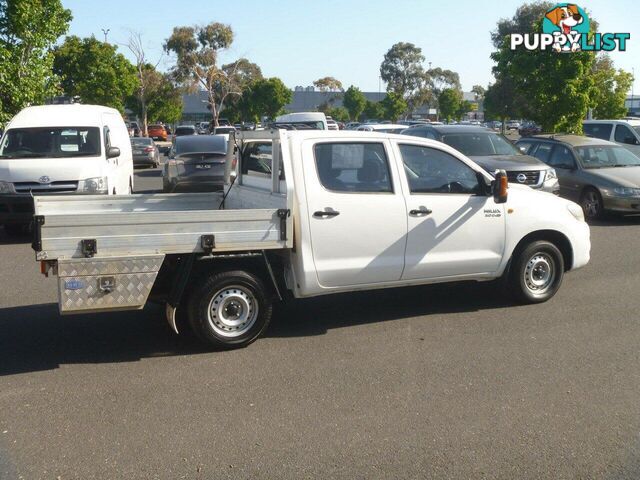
{"x": 605, "y": 156}
{"x": 51, "y": 142}
{"x": 480, "y": 144}
{"x": 185, "y": 131}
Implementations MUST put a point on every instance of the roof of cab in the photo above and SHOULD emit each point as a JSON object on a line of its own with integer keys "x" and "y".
{"x": 570, "y": 139}
{"x": 74, "y": 115}
{"x": 634, "y": 122}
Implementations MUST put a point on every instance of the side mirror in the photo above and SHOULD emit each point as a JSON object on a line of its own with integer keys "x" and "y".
{"x": 500, "y": 187}
{"x": 523, "y": 149}
{"x": 113, "y": 152}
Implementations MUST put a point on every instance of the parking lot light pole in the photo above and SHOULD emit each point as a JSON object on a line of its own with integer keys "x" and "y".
{"x": 106, "y": 32}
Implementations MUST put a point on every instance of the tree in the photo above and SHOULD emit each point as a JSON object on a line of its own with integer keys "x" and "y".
{"x": 269, "y": 96}
{"x": 394, "y": 106}
{"x": 196, "y": 50}
{"x": 94, "y": 71}
{"x": 28, "y": 31}
{"x": 479, "y": 92}
{"x": 163, "y": 98}
{"x": 373, "y": 111}
{"x": 403, "y": 72}
{"x": 354, "y": 101}
{"x": 339, "y": 114}
{"x": 328, "y": 84}
{"x": 610, "y": 89}
{"x": 465, "y": 107}
{"x": 449, "y": 102}
{"x": 554, "y": 88}
{"x": 501, "y": 100}
{"x": 148, "y": 78}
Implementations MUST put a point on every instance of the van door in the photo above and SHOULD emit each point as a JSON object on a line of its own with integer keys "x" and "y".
{"x": 356, "y": 212}
{"x": 454, "y": 229}
{"x": 628, "y": 138}
{"x": 121, "y": 167}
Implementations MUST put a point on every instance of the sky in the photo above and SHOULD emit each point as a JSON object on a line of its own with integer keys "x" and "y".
{"x": 300, "y": 41}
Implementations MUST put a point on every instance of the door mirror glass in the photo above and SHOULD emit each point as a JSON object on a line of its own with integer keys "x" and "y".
{"x": 113, "y": 152}
{"x": 631, "y": 141}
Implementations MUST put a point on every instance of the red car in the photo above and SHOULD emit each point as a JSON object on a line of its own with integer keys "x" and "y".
{"x": 157, "y": 132}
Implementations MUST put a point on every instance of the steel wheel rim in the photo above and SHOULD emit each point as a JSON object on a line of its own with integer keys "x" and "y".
{"x": 232, "y": 311}
{"x": 540, "y": 273}
{"x": 591, "y": 204}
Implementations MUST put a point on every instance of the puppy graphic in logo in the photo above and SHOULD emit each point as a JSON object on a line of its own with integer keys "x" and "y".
{"x": 565, "y": 18}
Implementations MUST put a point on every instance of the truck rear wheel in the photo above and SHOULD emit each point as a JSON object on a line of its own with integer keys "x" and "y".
{"x": 230, "y": 309}
{"x": 15, "y": 229}
{"x": 537, "y": 272}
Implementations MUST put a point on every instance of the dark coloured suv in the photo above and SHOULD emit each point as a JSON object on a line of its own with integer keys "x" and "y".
{"x": 492, "y": 152}
{"x": 600, "y": 175}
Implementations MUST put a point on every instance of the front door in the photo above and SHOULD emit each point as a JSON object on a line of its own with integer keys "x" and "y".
{"x": 356, "y": 212}
{"x": 454, "y": 228}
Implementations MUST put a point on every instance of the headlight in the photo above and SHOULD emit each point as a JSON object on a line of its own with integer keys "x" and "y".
{"x": 93, "y": 185}
{"x": 576, "y": 211}
{"x": 626, "y": 192}
{"x": 550, "y": 175}
{"x": 7, "y": 187}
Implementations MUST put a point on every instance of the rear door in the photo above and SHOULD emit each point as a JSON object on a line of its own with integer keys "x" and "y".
{"x": 626, "y": 137}
{"x": 454, "y": 229}
{"x": 356, "y": 212}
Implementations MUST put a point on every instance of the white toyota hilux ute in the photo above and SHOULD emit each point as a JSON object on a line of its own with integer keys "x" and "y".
{"x": 307, "y": 213}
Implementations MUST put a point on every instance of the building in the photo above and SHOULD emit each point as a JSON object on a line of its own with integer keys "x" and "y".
{"x": 633, "y": 105}
{"x": 308, "y": 99}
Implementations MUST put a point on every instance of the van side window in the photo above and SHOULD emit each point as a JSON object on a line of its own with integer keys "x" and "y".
{"x": 598, "y": 130}
{"x": 257, "y": 160}
{"x": 624, "y": 134}
{"x": 430, "y": 170}
{"x": 353, "y": 167}
{"x": 107, "y": 139}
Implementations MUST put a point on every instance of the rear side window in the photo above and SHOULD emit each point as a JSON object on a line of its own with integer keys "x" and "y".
{"x": 598, "y": 130}
{"x": 353, "y": 167}
{"x": 543, "y": 152}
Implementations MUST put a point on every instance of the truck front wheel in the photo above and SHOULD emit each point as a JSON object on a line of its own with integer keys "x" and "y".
{"x": 230, "y": 309}
{"x": 537, "y": 272}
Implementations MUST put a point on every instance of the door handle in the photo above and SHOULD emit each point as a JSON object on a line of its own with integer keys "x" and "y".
{"x": 324, "y": 214}
{"x": 422, "y": 211}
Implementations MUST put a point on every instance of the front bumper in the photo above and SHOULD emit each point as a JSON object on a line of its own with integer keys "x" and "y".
{"x": 16, "y": 208}
{"x": 581, "y": 245}
{"x": 621, "y": 204}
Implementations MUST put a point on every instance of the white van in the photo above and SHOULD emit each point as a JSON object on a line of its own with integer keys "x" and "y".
{"x": 622, "y": 132}
{"x": 310, "y": 120}
{"x": 60, "y": 149}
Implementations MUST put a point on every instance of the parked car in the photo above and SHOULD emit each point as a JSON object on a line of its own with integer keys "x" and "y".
{"x": 136, "y": 129}
{"x": 196, "y": 164}
{"x": 145, "y": 153}
{"x": 157, "y": 132}
{"x": 512, "y": 125}
{"x": 492, "y": 152}
{"x": 622, "y": 132}
{"x": 183, "y": 130}
{"x": 382, "y": 127}
{"x": 312, "y": 120}
{"x": 332, "y": 124}
{"x": 338, "y": 212}
{"x": 203, "y": 128}
{"x": 226, "y": 130}
{"x": 61, "y": 149}
{"x": 352, "y": 125}
{"x": 600, "y": 175}
{"x": 528, "y": 129}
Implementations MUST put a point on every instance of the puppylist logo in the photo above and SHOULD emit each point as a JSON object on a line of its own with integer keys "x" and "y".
{"x": 566, "y": 28}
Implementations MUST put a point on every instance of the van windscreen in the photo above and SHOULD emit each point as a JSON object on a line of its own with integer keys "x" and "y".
{"x": 51, "y": 142}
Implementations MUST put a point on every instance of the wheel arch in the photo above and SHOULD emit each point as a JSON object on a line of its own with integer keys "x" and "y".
{"x": 559, "y": 239}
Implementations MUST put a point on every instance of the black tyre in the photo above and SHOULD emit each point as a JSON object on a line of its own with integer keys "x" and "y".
{"x": 16, "y": 229}
{"x": 536, "y": 272}
{"x": 230, "y": 309}
{"x": 591, "y": 203}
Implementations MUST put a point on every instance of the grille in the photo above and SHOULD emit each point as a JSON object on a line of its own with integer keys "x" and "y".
{"x": 532, "y": 177}
{"x": 53, "y": 187}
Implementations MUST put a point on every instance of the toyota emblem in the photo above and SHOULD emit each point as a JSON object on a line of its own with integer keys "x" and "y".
{"x": 521, "y": 178}
{"x": 44, "y": 179}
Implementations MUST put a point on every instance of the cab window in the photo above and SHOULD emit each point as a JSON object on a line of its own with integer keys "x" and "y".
{"x": 430, "y": 170}
{"x": 353, "y": 167}
{"x": 624, "y": 135}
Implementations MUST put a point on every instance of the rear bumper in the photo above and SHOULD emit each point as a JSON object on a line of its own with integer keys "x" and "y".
{"x": 196, "y": 184}
{"x": 143, "y": 160}
{"x": 16, "y": 208}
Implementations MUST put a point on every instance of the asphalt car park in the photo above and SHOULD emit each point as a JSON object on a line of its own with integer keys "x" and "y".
{"x": 428, "y": 382}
